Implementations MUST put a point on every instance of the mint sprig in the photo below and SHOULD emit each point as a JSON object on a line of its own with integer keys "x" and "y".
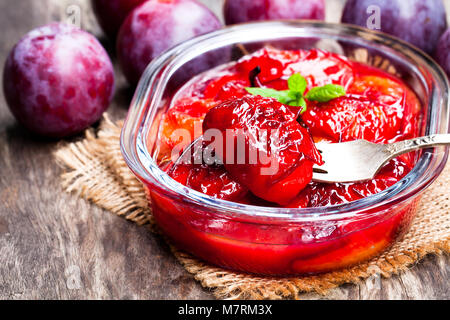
{"x": 297, "y": 83}
{"x": 295, "y": 96}
{"x": 281, "y": 96}
{"x": 326, "y": 93}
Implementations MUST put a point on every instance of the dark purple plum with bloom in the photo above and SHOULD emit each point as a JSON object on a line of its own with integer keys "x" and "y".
{"x": 156, "y": 26}
{"x": 58, "y": 80}
{"x": 443, "y": 52}
{"x": 238, "y": 11}
{"x": 112, "y": 13}
{"x": 419, "y": 22}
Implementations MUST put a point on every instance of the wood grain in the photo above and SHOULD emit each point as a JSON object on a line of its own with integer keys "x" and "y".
{"x": 47, "y": 236}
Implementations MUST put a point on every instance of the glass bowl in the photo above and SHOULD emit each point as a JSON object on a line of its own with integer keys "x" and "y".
{"x": 282, "y": 241}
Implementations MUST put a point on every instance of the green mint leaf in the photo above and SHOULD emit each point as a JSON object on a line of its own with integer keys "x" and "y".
{"x": 299, "y": 103}
{"x": 282, "y": 96}
{"x": 302, "y": 103}
{"x": 325, "y": 93}
{"x": 287, "y": 97}
{"x": 294, "y": 96}
{"x": 297, "y": 83}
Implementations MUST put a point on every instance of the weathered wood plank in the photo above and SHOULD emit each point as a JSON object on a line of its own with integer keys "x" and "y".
{"x": 48, "y": 236}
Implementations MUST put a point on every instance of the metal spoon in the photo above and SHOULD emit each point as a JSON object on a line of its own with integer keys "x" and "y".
{"x": 353, "y": 161}
{"x": 361, "y": 160}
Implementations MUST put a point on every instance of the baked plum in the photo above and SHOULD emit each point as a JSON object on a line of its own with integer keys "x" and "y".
{"x": 211, "y": 179}
{"x": 264, "y": 147}
{"x": 316, "y": 66}
{"x": 373, "y": 109}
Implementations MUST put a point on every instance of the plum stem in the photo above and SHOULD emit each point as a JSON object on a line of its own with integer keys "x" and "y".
{"x": 253, "y": 77}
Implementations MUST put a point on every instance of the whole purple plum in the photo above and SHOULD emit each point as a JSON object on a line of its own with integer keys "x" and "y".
{"x": 112, "y": 13}
{"x": 58, "y": 80}
{"x": 156, "y": 26}
{"x": 238, "y": 11}
{"x": 420, "y": 22}
{"x": 443, "y": 52}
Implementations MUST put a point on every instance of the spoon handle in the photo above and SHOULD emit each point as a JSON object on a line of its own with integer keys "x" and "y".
{"x": 398, "y": 148}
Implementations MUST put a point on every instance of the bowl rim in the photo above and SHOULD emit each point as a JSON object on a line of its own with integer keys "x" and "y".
{"x": 144, "y": 167}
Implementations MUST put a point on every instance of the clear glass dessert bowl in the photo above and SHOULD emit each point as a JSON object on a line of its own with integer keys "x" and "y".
{"x": 282, "y": 241}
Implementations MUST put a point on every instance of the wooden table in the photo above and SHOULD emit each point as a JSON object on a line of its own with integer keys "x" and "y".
{"x": 49, "y": 237}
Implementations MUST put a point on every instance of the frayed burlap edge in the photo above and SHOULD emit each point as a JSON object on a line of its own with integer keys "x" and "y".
{"x": 96, "y": 170}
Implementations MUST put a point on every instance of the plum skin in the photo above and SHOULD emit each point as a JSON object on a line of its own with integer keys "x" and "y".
{"x": 442, "y": 54}
{"x": 239, "y": 11}
{"x": 58, "y": 80}
{"x": 112, "y": 13}
{"x": 418, "y": 22}
{"x": 156, "y": 26}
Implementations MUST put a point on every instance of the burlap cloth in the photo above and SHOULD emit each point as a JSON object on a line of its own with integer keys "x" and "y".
{"x": 95, "y": 169}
